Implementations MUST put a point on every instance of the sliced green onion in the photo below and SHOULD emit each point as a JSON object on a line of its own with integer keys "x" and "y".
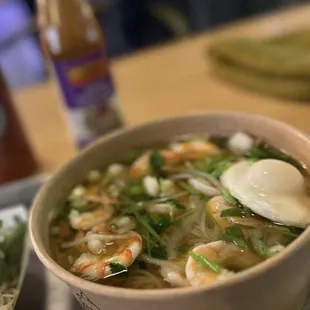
{"x": 227, "y": 195}
{"x": 232, "y": 212}
{"x": 205, "y": 263}
{"x": 234, "y": 231}
{"x": 146, "y": 225}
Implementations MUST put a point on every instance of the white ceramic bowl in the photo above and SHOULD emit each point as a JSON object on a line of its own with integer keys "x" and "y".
{"x": 280, "y": 283}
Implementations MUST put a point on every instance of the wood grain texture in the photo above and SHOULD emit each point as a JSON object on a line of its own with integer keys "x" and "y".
{"x": 164, "y": 81}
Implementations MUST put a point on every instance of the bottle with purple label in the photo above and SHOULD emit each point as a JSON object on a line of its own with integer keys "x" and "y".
{"x": 73, "y": 41}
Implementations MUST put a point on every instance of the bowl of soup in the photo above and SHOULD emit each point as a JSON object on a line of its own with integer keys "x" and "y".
{"x": 205, "y": 211}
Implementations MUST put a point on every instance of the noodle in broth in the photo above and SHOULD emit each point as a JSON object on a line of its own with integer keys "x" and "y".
{"x": 178, "y": 215}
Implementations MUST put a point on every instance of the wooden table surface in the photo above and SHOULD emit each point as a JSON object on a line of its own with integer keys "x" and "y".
{"x": 164, "y": 81}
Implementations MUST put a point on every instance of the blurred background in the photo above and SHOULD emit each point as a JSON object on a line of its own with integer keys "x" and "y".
{"x": 129, "y": 25}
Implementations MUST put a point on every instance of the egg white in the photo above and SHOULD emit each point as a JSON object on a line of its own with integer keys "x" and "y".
{"x": 291, "y": 208}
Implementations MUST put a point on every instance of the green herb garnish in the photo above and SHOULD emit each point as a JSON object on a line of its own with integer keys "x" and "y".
{"x": 156, "y": 161}
{"x": 205, "y": 263}
{"x": 256, "y": 154}
{"x": 135, "y": 190}
{"x": 117, "y": 268}
{"x": 259, "y": 247}
{"x": 232, "y": 212}
{"x": 153, "y": 248}
{"x": 158, "y": 251}
{"x": 264, "y": 151}
{"x": 235, "y": 234}
{"x": 220, "y": 169}
{"x": 227, "y": 195}
{"x": 161, "y": 225}
{"x": 215, "y": 165}
{"x": 144, "y": 221}
{"x": 234, "y": 231}
{"x": 63, "y": 212}
{"x": 288, "y": 231}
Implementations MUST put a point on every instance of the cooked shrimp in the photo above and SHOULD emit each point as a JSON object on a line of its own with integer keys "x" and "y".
{"x": 217, "y": 204}
{"x": 141, "y": 165}
{"x": 92, "y": 195}
{"x": 229, "y": 256}
{"x": 173, "y": 277}
{"x": 177, "y": 153}
{"x": 86, "y": 199}
{"x": 96, "y": 246}
{"x": 94, "y": 267}
{"x": 102, "y": 228}
{"x": 171, "y": 270}
{"x": 81, "y": 246}
{"x": 87, "y": 220}
{"x": 194, "y": 149}
{"x": 249, "y": 224}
